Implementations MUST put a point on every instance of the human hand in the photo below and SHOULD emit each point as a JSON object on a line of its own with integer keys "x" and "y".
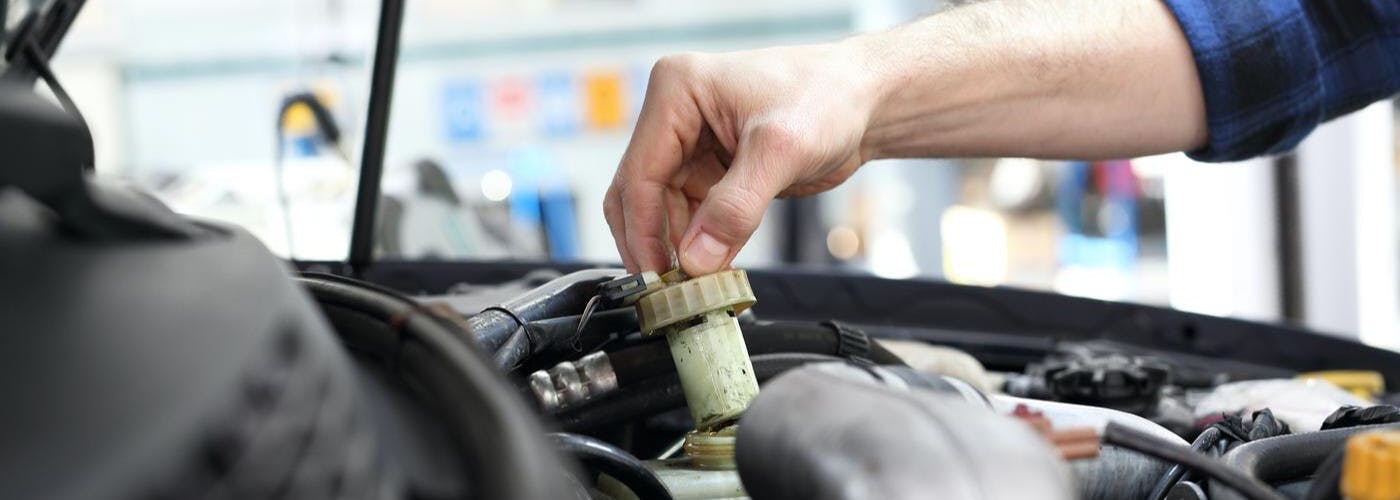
{"x": 720, "y": 136}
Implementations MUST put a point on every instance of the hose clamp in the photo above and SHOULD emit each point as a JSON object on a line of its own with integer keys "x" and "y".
{"x": 851, "y": 343}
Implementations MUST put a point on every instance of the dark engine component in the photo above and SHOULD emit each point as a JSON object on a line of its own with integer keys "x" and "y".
{"x": 139, "y": 370}
{"x": 196, "y": 369}
{"x": 1126, "y": 383}
{"x": 496, "y": 435}
{"x": 1286, "y": 458}
{"x": 877, "y": 440}
{"x": 1350, "y": 416}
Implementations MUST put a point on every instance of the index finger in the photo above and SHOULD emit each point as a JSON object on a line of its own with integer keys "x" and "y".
{"x": 668, "y": 126}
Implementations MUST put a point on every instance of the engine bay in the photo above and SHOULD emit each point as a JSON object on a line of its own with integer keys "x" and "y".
{"x": 150, "y": 355}
{"x": 873, "y": 411}
{"x": 195, "y": 368}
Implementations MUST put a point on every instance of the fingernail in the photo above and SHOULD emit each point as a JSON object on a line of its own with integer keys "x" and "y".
{"x": 704, "y": 253}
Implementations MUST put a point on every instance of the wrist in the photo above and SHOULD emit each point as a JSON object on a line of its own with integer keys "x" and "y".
{"x": 948, "y": 87}
{"x": 918, "y": 92}
{"x": 874, "y": 79}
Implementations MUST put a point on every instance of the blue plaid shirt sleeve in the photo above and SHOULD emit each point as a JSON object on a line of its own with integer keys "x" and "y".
{"x": 1272, "y": 70}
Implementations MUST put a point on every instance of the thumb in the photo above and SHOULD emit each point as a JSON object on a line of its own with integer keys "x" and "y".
{"x": 732, "y": 210}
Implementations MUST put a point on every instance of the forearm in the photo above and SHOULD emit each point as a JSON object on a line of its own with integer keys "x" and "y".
{"x": 1043, "y": 78}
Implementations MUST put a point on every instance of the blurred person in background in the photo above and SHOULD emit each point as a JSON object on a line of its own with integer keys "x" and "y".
{"x": 722, "y": 135}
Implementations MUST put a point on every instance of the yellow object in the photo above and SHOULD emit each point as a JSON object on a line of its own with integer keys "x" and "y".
{"x": 1363, "y": 384}
{"x": 603, "y": 99}
{"x": 298, "y": 119}
{"x": 694, "y": 297}
{"x": 1371, "y": 468}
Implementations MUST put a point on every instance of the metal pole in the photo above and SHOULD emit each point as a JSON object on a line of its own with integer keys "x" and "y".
{"x": 381, "y": 91}
{"x": 1291, "y": 305}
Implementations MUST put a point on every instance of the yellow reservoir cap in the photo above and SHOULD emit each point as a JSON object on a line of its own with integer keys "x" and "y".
{"x": 1371, "y": 468}
{"x": 694, "y": 297}
{"x": 1364, "y": 384}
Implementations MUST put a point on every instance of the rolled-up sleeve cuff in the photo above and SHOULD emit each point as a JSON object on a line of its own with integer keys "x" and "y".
{"x": 1258, "y": 65}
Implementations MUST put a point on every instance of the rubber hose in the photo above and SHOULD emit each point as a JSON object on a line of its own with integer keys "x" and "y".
{"x": 1115, "y": 474}
{"x": 652, "y": 359}
{"x": 498, "y": 437}
{"x": 599, "y": 456}
{"x": 823, "y": 338}
{"x": 514, "y": 351}
{"x": 1203, "y": 442}
{"x": 558, "y": 333}
{"x": 1327, "y": 479}
{"x": 562, "y": 333}
{"x": 1223, "y": 477}
{"x": 1281, "y": 458}
{"x": 552, "y": 334}
{"x": 562, "y": 296}
{"x": 664, "y": 393}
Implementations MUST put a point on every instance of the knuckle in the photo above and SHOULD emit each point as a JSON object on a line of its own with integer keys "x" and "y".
{"x": 637, "y": 199}
{"x": 740, "y": 209}
{"x": 612, "y": 207}
{"x": 781, "y": 139}
{"x": 680, "y": 65}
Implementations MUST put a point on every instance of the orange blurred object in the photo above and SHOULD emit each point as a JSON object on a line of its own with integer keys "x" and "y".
{"x": 603, "y": 99}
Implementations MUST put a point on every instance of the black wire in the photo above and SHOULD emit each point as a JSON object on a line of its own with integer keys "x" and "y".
{"x": 599, "y": 456}
{"x": 583, "y": 322}
{"x": 1153, "y": 446}
{"x": 1203, "y": 443}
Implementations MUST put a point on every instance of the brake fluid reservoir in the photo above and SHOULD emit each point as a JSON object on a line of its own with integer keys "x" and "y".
{"x": 698, "y": 317}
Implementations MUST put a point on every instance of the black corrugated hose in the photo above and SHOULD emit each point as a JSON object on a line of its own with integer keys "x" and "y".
{"x": 499, "y": 437}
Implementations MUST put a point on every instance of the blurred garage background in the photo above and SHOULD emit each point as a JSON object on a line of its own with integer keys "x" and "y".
{"x": 509, "y": 117}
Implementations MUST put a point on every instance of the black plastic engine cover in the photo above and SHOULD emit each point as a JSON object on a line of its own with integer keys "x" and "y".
{"x": 170, "y": 369}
